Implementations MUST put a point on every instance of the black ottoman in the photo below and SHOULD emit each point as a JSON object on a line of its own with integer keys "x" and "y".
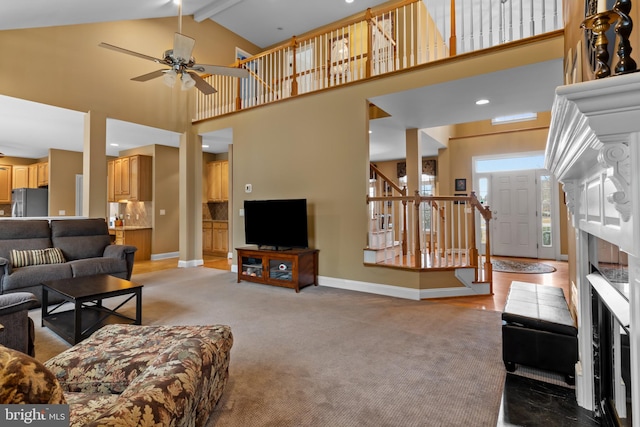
{"x": 538, "y": 330}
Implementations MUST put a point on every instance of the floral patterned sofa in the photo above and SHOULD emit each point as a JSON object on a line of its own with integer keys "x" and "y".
{"x": 127, "y": 375}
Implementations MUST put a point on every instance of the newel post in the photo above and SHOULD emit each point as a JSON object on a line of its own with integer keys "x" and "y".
{"x": 238, "y": 89}
{"x": 417, "y": 260}
{"x": 453, "y": 39}
{"x": 369, "y": 66}
{"x": 294, "y": 70}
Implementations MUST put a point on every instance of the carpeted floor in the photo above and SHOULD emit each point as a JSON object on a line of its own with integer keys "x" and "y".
{"x": 328, "y": 357}
{"x": 510, "y": 266}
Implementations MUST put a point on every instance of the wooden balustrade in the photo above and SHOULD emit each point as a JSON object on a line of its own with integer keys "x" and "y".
{"x": 426, "y": 232}
{"x": 380, "y": 40}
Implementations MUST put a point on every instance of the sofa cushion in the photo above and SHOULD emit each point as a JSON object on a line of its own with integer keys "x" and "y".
{"x": 34, "y": 275}
{"x": 23, "y": 234}
{"x": 36, "y": 257}
{"x": 93, "y": 266}
{"x": 26, "y": 380}
{"x": 80, "y": 238}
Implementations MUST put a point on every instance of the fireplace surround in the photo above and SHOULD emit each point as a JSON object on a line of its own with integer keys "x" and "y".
{"x": 593, "y": 149}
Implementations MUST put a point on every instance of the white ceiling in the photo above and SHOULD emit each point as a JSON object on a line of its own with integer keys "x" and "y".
{"x": 263, "y": 22}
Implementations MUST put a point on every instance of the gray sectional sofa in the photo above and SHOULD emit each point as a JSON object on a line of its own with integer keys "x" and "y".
{"x": 84, "y": 243}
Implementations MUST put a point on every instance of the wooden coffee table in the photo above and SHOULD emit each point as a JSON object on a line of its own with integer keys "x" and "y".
{"x": 88, "y": 313}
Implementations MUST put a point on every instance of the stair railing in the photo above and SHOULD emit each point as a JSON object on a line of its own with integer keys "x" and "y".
{"x": 438, "y": 232}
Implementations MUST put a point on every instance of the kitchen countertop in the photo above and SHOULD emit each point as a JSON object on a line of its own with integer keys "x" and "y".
{"x": 215, "y": 220}
{"x": 112, "y": 230}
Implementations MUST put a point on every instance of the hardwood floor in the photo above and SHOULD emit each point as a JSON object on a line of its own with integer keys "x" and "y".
{"x": 495, "y": 302}
{"x": 502, "y": 281}
{"x": 210, "y": 261}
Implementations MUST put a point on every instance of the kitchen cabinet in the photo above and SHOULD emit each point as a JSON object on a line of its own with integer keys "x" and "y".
{"x": 33, "y": 175}
{"x": 218, "y": 181}
{"x": 5, "y": 183}
{"x": 20, "y": 176}
{"x": 129, "y": 178}
{"x": 215, "y": 237}
{"x": 207, "y": 236}
{"x": 111, "y": 193}
{"x": 220, "y": 238}
{"x": 43, "y": 174}
{"x": 138, "y": 237}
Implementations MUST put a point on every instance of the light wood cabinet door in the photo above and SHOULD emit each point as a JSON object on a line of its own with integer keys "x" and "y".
{"x": 5, "y": 183}
{"x": 111, "y": 190}
{"x": 224, "y": 181}
{"x": 20, "y": 176}
{"x": 218, "y": 181}
{"x": 220, "y": 237}
{"x": 33, "y": 175}
{"x": 132, "y": 178}
{"x": 43, "y": 174}
{"x": 207, "y": 237}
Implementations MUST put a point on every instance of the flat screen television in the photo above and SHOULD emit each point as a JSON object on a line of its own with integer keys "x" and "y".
{"x": 276, "y": 224}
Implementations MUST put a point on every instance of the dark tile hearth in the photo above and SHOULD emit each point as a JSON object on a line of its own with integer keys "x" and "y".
{"x": 530, "y": 403}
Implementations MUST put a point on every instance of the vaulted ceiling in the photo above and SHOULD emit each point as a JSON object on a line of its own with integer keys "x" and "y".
{"x": 264, "y": 23}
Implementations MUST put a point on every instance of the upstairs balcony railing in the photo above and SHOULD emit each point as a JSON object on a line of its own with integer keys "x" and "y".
{"x": 426, "y": 232}
{"x": 379, "y": 41}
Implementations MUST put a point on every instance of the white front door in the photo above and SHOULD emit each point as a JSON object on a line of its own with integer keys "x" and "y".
{"x": 514, "y": 214}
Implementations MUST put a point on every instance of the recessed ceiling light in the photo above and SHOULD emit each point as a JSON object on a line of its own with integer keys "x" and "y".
{"x": 205, "y": 146}
{"x": 349, "y": 1}
{"x": 482, "y": 101}
{"x": 113, "y": 144}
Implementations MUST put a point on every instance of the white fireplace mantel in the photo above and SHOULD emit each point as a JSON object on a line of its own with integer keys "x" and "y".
{"x": 593, "y": 149}
{"x": 595, "y": 131}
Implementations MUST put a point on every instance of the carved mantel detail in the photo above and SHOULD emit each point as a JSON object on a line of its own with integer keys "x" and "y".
{"x": 569, "y": 188}
{"x": 615, "y": 158}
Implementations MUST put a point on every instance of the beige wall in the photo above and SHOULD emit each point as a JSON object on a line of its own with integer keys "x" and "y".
{"x": 63, "y": 168}
{"x": 165, "y": 172}
{"x": 63, "y": 66}
{"x": 316, "y": 146}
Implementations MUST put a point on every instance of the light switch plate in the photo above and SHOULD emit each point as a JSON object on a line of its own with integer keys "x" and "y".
{"x": 248, "y": 188}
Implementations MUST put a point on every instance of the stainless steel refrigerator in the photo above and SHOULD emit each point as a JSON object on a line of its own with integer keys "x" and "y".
{"x": 29, "y": 202}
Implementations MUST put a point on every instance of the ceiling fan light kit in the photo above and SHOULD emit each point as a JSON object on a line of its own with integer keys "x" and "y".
{"x": 180, "y": 61}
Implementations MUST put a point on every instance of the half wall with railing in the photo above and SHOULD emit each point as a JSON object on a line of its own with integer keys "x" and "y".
{"x": 426, "y": 232}
{"x": 381, "y": 40}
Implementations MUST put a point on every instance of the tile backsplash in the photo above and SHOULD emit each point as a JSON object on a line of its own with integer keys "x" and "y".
{"x": 137, "y": 214}
{"x": 6, "y": 208}
{"x": 216, "y": 211}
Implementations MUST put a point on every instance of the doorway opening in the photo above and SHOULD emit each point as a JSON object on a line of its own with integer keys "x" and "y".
{"x": 523, "y": 197}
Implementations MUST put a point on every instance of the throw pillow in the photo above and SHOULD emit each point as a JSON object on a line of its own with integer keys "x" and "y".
{"x": 26, "y": 380}
{"x": 36, "y": 257}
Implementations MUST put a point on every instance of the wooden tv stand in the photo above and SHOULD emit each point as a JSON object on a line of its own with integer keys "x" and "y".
{"x": 293, "y": 268}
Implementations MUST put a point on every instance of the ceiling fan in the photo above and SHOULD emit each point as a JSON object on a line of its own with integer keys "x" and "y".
{"x": 181, "y": 63}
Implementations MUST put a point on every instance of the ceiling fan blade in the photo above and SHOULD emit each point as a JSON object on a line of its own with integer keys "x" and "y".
{"x": 130, "y": 52}
{"x": 220, "y": 70}
{"x": 149, "y": 76}
{"x": 183, "y": 46}
{"x": 202, "y": 85}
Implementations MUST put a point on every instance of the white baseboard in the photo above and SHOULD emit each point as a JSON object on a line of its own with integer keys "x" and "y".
{"x": 371, "y": 288}
{"x": 155, "y": 257}
{"x": 190, "y": 263}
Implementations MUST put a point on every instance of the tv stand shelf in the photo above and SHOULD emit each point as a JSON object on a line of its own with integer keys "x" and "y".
{"x": 292, "y": 268}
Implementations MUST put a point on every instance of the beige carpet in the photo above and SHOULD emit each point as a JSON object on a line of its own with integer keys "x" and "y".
{"x": 328, "y": 357}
